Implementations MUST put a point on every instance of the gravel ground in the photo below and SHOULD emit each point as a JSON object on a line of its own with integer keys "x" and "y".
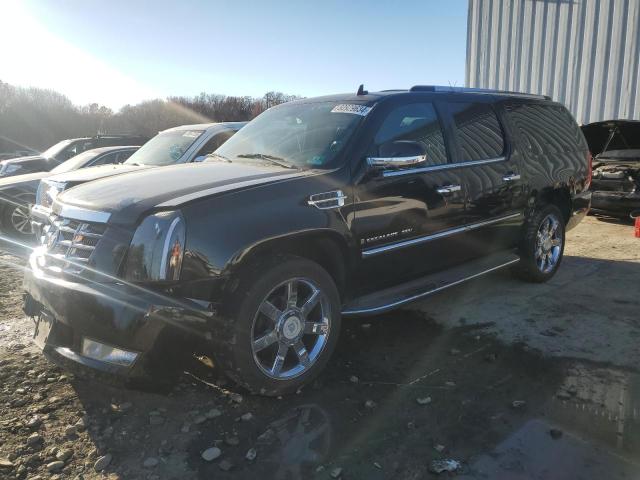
{"x": 496, "y": 378}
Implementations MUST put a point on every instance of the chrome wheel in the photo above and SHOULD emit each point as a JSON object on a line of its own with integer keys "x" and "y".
{"x": 290, "y": 329}
{"x": 20, "y": 220}
{"x": 548, "y": 243}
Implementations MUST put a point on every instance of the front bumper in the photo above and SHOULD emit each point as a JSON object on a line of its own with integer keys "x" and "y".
{"x": 155, "y": 326}
{"x": 619, "y": 204}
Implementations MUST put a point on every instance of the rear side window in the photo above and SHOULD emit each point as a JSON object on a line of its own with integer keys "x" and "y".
{"x": 546, "y": 129}
{"x": 478, "y": 130}
{"x": 416, "y": 122}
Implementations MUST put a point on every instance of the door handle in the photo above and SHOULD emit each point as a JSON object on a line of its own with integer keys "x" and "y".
{"x": 511, "y": 177}
{"x": 449, "y": 189}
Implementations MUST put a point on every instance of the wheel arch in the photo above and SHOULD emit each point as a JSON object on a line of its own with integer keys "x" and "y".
{"x": 327, "y": 248}
{"x": 558, "y": 196}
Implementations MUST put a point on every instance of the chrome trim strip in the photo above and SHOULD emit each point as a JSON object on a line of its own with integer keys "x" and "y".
{"x": 428, "y": 292}
{"x": 444, "y": 166}
{"x": 395, "y": 162}
{"x": 427, "y": 238}
{"x": 79, "y": 213}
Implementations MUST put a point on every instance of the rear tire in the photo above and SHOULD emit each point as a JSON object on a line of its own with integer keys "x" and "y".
{"x": 542, "y": 245}
{"x": 285, "y": 327}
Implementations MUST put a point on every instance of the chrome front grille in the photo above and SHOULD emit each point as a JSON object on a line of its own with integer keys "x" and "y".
{"x": 70, "y": 243}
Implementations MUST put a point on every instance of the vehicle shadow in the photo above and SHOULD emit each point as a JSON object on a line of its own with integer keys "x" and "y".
{"x": 398, "y": 386}
{"x": 587, "y": 311}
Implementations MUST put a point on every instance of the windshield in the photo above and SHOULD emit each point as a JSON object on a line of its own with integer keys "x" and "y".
{"x": 75, "y": 162}
{"x": 165, "y": 148}
{"x": 55, "y": 150}
{"x": 304, "y": 135}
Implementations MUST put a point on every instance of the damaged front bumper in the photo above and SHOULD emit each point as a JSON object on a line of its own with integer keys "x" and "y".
{"x": 116, "y": 328}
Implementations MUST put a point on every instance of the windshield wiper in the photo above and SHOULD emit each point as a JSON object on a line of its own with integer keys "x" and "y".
{"x": 217, "y": 155}
{"x": 270, "y": 158}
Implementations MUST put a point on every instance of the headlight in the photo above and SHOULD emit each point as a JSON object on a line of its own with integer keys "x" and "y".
{"x": 48, "y": 191}
{"x": 157, "y": 247}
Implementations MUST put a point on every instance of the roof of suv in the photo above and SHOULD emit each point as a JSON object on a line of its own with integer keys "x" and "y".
{"x": 372, "y": 97}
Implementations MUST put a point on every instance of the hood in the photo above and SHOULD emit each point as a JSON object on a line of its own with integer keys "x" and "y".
{"x": 26, "y": 178}
{"x": 26, "y": 159}
{"x": 626, "y": 137}
{"x": 129, "y": 196}
{"x": 83, "y": 175}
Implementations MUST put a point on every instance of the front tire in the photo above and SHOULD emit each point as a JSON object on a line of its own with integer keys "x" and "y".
{"x": 286, "y": 327}
{"x": 542, "y": 245}
{"x": 15, "y": 219}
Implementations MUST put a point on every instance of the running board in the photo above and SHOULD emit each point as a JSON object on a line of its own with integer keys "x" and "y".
{"x": 390, "y": 298}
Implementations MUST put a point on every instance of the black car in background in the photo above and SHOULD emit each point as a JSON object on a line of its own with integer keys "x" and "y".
{"x": 17, "y": 153}
{"x": 183, "y": 144}
{"x": 615, "y": 146}
{"x": 343, "y": 205}
{"x": 64, "y": 150}
{"x": 18, "y": 193}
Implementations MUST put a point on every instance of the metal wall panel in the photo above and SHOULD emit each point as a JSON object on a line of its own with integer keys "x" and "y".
{"x": 583, "y": 53}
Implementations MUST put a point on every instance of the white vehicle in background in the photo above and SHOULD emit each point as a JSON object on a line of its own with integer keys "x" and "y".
{"x": 183, "y": 144}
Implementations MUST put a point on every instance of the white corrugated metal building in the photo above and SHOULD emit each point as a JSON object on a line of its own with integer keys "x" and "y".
{"x": 583, "y": 53}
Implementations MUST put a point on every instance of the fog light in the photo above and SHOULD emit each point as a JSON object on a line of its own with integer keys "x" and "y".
{"x": 106, "y": 353}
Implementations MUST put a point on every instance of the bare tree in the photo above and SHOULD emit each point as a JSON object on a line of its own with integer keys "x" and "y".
{"x": 37, "y": 118}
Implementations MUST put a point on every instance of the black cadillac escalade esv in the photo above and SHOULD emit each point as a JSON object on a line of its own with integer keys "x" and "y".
{"x": 318, "y": 209}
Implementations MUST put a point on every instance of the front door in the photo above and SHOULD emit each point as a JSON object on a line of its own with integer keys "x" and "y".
{"x": 404, "y": 211}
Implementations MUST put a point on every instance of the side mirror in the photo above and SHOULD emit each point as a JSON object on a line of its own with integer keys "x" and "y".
{"x": 398, "y": 154}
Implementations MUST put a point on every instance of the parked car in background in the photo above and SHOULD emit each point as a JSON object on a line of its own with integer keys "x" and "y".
{"x": 18, "y": 193}
{"x": 337, "y": 206}
{"x": 184, "y": 144}
{"x": 61, "y": 151}
{"x": 16, "y": 153}
{"x": 615, "y": 146}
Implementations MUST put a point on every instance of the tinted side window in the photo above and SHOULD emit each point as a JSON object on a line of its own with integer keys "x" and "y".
{"x": 417, "y": 122}
{"x": 106, "y": 159}
{"x": 214, "y": 143}
{"x": 479, "y": 132}
{"x": 546, "y": 129}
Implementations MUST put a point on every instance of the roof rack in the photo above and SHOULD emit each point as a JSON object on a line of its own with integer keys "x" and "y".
{"x": 485, "y": 91}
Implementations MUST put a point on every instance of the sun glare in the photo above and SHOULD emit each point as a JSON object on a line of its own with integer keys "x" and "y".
{"x": 34, "y": 57}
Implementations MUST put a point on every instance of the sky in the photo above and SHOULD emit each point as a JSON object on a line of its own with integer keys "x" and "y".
{"x": 118, "y": 52}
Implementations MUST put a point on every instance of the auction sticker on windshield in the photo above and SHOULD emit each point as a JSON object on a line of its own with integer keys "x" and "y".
{"x": 351, "y": 108}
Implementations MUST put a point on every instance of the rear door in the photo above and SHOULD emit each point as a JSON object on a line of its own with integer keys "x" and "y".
{"x": 491, "y": 172}
{"x": 403, "y": 216}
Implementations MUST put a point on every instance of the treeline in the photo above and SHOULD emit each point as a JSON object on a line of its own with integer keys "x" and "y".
{"x": 37, "y": 118}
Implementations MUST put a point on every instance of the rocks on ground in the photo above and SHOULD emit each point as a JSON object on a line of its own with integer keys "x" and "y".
{"x": 211, "y": 454}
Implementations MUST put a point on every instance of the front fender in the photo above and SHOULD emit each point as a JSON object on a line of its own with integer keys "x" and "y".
{"x": 225, "y": 232}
